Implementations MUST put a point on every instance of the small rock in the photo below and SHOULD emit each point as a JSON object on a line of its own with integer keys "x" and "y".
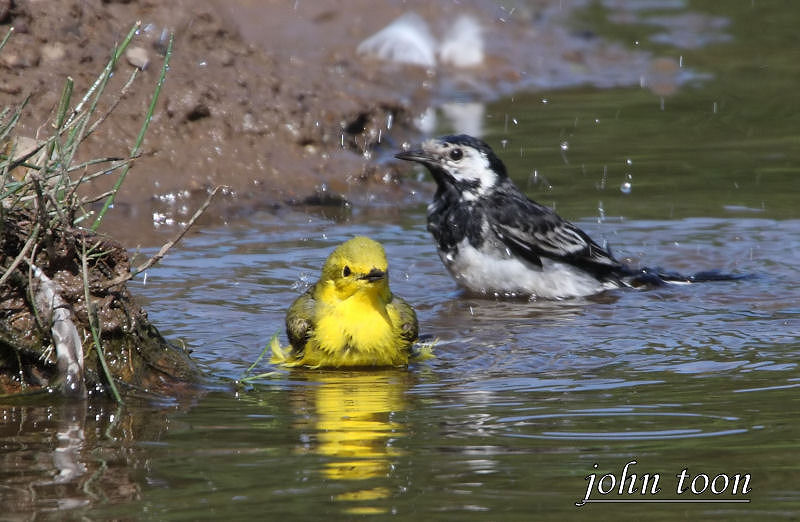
{"x": 10, "y": 88}
{"x": 198, "y": 112}
{"x": 249, "y": 123}
{"x": 137, "y": 57}
{"x": 190, "y": 106}
{"x": 23, "y": 55}
{"x": 223, "y": 57}
{"x": 53, "y": 52}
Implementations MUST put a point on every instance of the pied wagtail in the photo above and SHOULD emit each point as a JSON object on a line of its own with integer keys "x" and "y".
{"x": 494, "y": 240}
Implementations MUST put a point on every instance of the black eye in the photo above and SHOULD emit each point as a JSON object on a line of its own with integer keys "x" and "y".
{"x": 456, "y": 154}
{"x": 346, "y": 271}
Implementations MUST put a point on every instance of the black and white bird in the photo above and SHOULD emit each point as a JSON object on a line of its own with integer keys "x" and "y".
{"x": 496, "y": 241}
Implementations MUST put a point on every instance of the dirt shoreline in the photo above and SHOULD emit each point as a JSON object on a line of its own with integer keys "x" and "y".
{"x": 270, "y": 98}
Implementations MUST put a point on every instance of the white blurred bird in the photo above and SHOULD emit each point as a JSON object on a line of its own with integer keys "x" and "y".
{"x": 462, "y": 45}
{"x": 408, "y": 39}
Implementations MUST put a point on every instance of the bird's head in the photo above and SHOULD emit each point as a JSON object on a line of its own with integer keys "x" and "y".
{"x": 459, "y": 162}
{"x": 357, "y": 265}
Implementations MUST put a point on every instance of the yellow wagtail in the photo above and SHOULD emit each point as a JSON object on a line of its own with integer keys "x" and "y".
{"x": 350, "y": 317}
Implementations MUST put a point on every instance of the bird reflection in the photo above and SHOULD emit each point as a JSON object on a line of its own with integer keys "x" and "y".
{"x": 351, "y": 419}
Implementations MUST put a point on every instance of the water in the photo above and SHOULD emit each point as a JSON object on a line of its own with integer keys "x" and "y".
{"x": 522, "y": 399}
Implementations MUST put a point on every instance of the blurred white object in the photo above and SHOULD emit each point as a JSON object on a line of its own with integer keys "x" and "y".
{"x": 426, "y": 122}
{"x": 465, "y": 117}
{"x": 462, "y": 45}
{"x": 406, "y": 40}
{"x": 460, "y": 117}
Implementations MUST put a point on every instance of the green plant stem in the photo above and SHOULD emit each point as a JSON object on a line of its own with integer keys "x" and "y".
{"x": 22, "y": 253}
{"x": 94, "y": 327}
{"x": 140, "y": 138}
{"x": 102, "y": 80}
{"x": 7, "y": 36}
{"x": 263, "y": 353}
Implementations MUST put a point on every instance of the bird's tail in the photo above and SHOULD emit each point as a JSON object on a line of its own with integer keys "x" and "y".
{"x": 658, "y": 277}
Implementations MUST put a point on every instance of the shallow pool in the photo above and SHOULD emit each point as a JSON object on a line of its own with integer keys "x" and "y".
{"x": 528, "y": 407}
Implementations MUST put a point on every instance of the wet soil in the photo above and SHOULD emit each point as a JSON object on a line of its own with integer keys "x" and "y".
{"x": 137, "y": 356}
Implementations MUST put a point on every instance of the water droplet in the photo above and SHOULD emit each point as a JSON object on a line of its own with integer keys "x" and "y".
{"x": 564, "y": 145}
{"x": 629, "y": 162}
{"x": 544, "y": 100}
{"x": 626, "y": 187}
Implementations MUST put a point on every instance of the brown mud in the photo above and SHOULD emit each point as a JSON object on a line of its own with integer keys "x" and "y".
{"x": 137, "y": 356}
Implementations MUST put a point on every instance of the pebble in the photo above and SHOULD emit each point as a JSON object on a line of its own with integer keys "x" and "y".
{"x": 21, "y": 54}
{"x": 223, "y": 57}
{"x": 53, "y": 52}
{"x": 137, "y": 57}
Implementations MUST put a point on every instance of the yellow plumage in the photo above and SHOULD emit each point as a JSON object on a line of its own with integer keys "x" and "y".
{"x": 350, "y": 317}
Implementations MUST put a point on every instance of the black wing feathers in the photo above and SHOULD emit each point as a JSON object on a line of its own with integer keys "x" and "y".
{"x": 533, "y": 231}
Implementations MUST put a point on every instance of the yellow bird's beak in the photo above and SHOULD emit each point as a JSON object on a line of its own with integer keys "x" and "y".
{"x": 374, "y": 275}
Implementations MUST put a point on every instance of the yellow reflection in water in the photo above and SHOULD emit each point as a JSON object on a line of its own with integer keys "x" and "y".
{"x": 352, "y": 422}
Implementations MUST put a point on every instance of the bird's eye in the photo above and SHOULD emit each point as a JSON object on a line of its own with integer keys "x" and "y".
{"x": 346, "y": 271}
{"x": 456, "y": 154}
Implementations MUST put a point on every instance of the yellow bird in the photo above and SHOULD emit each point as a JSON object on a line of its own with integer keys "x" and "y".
{"x": 350, "y": 317}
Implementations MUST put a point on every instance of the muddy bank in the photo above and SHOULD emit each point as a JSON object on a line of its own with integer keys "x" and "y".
{"x": 45, "y": 300}
{"x": 271, "y": 99}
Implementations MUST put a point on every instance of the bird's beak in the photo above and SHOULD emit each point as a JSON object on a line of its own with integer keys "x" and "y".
{"x": 418, "y": 155}
{"x": 374, "y": 275}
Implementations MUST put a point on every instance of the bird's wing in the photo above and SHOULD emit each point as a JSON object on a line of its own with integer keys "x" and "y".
{"x": 531, "y": 231}
{"x": 299, "y": 325}
{"x": 409, "y": 327}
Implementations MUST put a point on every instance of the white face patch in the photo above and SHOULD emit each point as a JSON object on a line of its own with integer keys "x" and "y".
{"x": 469, "y": 168}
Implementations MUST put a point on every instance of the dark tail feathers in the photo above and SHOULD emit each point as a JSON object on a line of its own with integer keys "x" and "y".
{"x": 659, "y": 277}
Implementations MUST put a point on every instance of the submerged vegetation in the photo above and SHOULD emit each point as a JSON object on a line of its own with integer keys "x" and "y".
{"x": 67, "y": 320}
